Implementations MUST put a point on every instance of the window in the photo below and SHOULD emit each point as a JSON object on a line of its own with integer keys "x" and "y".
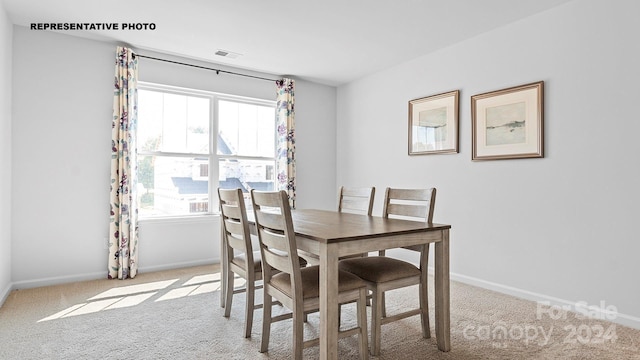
{"x": 192, "y": 142}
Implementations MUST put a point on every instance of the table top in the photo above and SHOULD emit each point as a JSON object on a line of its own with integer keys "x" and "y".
{"x": 332, "y": 226}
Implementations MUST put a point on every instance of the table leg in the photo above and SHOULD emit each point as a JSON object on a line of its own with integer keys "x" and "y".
{"x": 328, "y": 301}
{"x": 443, "y": 332}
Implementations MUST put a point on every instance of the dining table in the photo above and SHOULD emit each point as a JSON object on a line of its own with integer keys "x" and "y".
{"x": 331, "y": 234}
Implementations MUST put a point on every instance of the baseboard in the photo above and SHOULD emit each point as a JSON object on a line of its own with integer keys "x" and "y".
{"x": 581, "y": 308}
{"x": 57, "y": 280}
{"x": 5, "y": 293}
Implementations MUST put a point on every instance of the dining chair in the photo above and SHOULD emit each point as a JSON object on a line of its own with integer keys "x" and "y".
{"x": 240, "y": 257}
{"x": 356, "y": 200}
{"x": 294, "y": 287}
{"x": 383, "y": 273}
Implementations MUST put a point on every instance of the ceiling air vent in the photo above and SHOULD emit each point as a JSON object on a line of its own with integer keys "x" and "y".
{"x": 227, "y": 54}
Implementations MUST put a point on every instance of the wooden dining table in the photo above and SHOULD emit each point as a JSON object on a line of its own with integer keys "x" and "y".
{"x": 331, "y": 235}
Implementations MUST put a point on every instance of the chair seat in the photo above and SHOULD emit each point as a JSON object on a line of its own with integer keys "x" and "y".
{"x": 379, "y": 269}
{"x": 311, "y": 282}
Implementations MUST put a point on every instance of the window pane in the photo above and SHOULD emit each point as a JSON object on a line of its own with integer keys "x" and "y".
{"x": 173, "y": 123}
{"x": 197, "y": 125}
{"x": 247, "y": 175}
{"x": 149, "y": 120}
{"x": 173, "y": 185}
{"x": 246, "y": 129}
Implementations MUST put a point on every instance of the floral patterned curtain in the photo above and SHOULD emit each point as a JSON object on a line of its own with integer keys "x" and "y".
{"x": 123, "y": 228}
{"x": 286, "y": 147}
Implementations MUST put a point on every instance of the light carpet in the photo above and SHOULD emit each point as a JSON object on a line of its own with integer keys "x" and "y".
{"x": 177, "y": 315}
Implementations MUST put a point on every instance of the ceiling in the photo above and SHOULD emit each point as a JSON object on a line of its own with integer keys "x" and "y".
{"x": 327, "y": 41}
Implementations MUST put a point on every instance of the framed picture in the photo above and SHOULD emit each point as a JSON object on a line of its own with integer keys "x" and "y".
{"x": 433, "y": 124}
{"x": 508, "y": 123}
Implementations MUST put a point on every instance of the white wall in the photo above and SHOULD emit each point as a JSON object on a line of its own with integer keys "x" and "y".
{"x": 560, "y": 228}
{"x": 61, "y": 151}
{"x": 6, "y": 31}
{"x": 316, "y": 146}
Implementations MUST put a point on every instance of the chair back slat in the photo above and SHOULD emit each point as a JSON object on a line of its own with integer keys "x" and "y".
{"x": 354, "y": 204}
{"x": 273, "y": 239}
{"x": 415, "y": 211}
{"x": 410, "y": 194}
{"x": 357, "y": 192}
{"x": 236, "y": 243}
{"x": 233, "y": 226}
{"x": 356, "y": 200}
{"x": 271, "y": 220}
{"x": 278, "y": 260}
{"x": 230, "y": 210}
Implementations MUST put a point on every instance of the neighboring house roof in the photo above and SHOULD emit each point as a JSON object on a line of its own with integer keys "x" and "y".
{"x": 187, "y": 185}
{"x": 223, "y": 148}
{"x": 261, "y": 186}
{"x": 232, "y": 183}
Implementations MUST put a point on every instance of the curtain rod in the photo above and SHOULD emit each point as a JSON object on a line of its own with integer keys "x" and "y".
{"x": 218, "y": 71}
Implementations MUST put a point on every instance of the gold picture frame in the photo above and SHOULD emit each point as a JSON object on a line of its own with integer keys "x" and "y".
{"x": 433, "y": 124}
{"x": 508, "y": 123}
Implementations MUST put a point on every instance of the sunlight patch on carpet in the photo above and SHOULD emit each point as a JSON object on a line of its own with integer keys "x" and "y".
{"x": 133, "y": 295}
{"x": 134, "y": 289}
{"x": 178, "y": 293}
{"x": 200, "y": 279}
{"x": 132, "y": 300}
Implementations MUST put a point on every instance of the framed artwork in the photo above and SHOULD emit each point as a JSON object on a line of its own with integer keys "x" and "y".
{"x": 433, "y": 124}
{"x": 508, "y": 123}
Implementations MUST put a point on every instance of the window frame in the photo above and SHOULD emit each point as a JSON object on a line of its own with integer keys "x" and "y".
{"x": 212, "y": 156}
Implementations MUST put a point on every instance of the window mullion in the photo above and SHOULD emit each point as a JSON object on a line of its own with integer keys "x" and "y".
{"x": 213, "y": 151}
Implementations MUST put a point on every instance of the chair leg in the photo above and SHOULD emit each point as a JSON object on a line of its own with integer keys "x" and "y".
{"x": 424, "y": 310}
{"x": 248, "y": 310}
{"x": 362, "y": 324}
{"x": 229, "y": 291}
{"x": 383, "y": 306}
{"x": 298, "y": 332}
{"x": 376, "y": 321}
{"x": 266, "y": 322}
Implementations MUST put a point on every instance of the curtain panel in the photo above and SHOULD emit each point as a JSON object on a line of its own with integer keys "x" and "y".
{"x": 123, "y": 227}
{"x": 286, "y": 143}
